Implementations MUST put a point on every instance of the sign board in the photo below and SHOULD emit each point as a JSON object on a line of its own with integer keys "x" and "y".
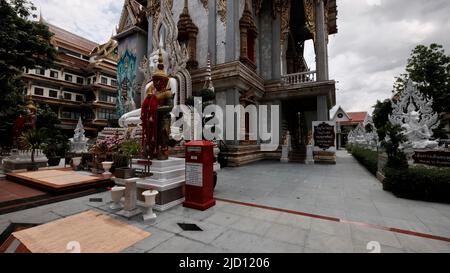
{"x": 433, "y": 158}
{"x": 324, "y": 136}
{"x": 194, "y": 174}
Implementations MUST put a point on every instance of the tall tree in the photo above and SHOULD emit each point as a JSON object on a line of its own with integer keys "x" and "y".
{"x": 429, "y": 68}
{"x": 24, "y": 44}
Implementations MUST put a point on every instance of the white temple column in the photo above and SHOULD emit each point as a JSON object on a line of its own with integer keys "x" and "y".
{"x": 232, "y": 33}
{"x": 212, "y": 31}
{"x": 321, "y": 44}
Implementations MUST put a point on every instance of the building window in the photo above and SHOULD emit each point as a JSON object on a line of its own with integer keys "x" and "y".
{"x": 104, "y": 81}
{"x": 79, "y": 98}
{"x": 38, "y": 91}
{"x": 106, "y": 114}
{"x": 89, "y": 81}
{"x": 54, "y": 74}
{"x": 94, "y": 80}
{"x": 70, "y": 115}
{"x": 53, "y": 94}
{"x": 67, "y": 96}
{"x": 40, "y": 71}
{"x": 114, "y": 83}
{"x": 340, "y": 115}
{"x": 107, "y": 97}
{"x": 80, "y": 80}
{"x": 68, "y": 78}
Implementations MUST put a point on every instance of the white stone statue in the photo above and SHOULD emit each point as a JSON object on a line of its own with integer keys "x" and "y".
{"x": 78, "y": 144}
{"x": 418, "y": 135}
{"x": 360, "y": 136}
{"x": 418, "y": 121}
{"x": 133, "y": 118}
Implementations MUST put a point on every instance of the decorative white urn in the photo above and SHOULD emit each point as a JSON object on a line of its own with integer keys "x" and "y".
{"x": 150, "y": 201}
{"x": 116, "y": 195}
{"x": 76, "y": 161}
{"x": 107, "y": 166}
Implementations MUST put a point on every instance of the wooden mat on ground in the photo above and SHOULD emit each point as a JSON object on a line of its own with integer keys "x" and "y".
{"x": 43, "y": 174}
{"x": 94, "y": 231}
{"x": 57, "y": 179}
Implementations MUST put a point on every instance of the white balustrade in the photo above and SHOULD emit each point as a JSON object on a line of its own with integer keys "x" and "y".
{"x": 299, "y": 78}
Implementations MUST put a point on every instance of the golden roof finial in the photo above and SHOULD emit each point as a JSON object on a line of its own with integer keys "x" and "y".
{"x": 30, "y": 105}
{"x": 160, "y": 78}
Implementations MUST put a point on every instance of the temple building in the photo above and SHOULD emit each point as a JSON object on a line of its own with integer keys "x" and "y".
{"x": 81, "y": 84}
{"x": 346, "y": 122}
{"x": 257, "y": 52}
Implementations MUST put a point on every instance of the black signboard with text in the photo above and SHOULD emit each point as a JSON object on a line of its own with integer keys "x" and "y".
{"x": 433, "y": 158}
{"x": 324, "y": 136}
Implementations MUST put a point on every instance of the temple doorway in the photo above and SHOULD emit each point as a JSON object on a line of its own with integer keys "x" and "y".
{"x": 297, "y": 119}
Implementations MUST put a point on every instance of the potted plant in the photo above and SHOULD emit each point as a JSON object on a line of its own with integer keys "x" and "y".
{"x": 124, "y": 166}
{"x": 50, "y": 150}
{"x": 33, "y": 140}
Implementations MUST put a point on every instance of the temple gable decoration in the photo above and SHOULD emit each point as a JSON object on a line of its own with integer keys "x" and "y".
{"x": 107, "y": 50}
{"x": 133, "y": 14}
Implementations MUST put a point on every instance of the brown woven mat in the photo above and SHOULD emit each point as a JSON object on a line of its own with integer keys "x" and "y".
{"x": 92, "y": 231}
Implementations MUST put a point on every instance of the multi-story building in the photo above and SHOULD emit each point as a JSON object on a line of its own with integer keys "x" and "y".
{"x": 82, "y": 82}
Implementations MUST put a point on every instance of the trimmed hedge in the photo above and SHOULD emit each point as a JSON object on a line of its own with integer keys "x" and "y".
{"x": 420, "y": 183}
{"x": 366, "y": 157}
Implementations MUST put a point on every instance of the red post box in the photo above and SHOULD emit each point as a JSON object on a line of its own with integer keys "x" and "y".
{"x": 199, "y": 175}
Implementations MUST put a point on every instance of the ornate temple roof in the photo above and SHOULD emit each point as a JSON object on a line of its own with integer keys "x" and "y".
{"x": 133, "y": 14}
{"x": 358, "y": 116}
{"x": 107, "y": 50}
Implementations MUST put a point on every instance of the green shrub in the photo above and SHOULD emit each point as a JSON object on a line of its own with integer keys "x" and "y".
{"x": 349, "y": 147}
{"x": 422, "y": 183}
{"x": 366, "y": 157}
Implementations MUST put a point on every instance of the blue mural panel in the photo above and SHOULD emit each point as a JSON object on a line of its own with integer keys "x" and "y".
{"x": 126, "y": 77}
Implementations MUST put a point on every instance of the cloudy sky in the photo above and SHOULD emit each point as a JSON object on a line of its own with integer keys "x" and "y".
{"x": 374, "y": 40}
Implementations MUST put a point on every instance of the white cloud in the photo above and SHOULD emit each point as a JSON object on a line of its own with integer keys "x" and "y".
{"x": 374, "y": 43}
{"x": 93, "y": 19}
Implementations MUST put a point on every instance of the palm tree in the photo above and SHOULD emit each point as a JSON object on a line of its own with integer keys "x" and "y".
{"x": 33, "y": 140}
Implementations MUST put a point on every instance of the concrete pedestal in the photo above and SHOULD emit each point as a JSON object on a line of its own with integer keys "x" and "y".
{"x": 285, "y": 153}
{"x": 324, "y": 157}
{"x": 309, "y": 155}
{"x": 168, "y": 179}
{"x": 129, "y": 209}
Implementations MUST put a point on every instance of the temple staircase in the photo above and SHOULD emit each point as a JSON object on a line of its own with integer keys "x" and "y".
{"x": 298, "y": 155}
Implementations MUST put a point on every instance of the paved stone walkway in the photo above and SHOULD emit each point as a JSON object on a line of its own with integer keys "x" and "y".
{"x": 343, "y": 191}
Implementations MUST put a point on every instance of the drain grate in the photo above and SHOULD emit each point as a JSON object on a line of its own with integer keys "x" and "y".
{"x": 95, "y": 200}
{"x": 189, "y": 227}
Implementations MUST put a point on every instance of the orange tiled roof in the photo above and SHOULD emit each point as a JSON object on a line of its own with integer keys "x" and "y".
{"x": 62, "y": 35}
{"x": 357, "y": 116}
